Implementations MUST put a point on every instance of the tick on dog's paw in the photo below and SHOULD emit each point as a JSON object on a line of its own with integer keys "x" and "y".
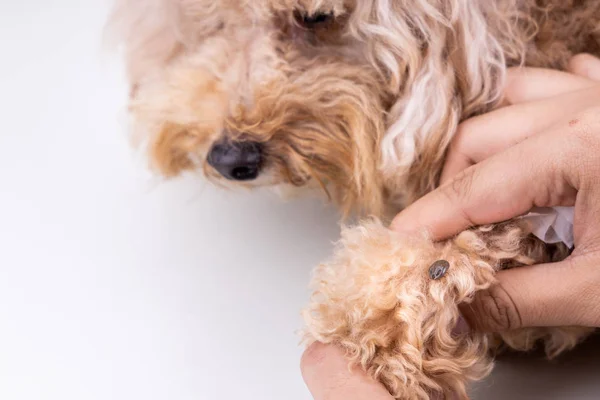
{"x": 438, "y": 269}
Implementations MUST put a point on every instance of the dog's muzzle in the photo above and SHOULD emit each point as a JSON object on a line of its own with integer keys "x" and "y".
{"x": 237, "y": 161}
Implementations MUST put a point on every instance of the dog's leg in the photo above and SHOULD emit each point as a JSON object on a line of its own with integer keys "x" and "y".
{"x": 391, "y": 302}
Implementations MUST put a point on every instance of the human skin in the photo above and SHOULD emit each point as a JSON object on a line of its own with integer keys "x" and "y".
{"x": 542, "y": 149}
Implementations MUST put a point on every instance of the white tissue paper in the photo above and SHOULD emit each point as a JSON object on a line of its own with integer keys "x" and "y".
{"x": 552, "y": 225}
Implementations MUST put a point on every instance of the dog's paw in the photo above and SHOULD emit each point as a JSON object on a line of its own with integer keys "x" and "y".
{"x": 391, "y": 301}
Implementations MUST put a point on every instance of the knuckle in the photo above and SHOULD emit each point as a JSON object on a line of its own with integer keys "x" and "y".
{"x": 493, "y": 310}
{"x": 458, "y": 191}
{"x": 460, "y": 188}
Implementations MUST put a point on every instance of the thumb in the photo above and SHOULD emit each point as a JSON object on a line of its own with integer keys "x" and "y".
{"x": 566, "y": 293}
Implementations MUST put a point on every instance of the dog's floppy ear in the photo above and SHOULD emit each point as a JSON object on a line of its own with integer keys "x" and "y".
{"x": 443, "y": 63}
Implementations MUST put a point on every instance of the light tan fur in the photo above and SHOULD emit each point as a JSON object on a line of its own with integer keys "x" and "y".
{"x": 364, "y": 107}
{"x": 376, "y": 300}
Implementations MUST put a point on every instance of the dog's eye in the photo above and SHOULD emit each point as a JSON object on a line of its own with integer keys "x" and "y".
{"x": 313, "y": 21}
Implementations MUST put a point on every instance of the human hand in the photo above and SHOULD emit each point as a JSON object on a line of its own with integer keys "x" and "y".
{"x": 540, "y": 153}
{"x": 324, "y": 367}
{"x": 326, "y": 373}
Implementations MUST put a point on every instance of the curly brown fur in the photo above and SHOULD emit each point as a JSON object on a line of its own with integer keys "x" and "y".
{"x": 363, "y": 105}
{"x": 375, "y": 299}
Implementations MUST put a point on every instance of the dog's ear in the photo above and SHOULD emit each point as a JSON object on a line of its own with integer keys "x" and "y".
{"x": 442, "y": 63}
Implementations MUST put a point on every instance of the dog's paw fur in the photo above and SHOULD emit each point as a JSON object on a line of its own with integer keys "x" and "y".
{"x": 375, "y": 298}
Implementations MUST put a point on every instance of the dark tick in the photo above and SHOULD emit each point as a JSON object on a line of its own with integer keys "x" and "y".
{"x": 438, "y": 269}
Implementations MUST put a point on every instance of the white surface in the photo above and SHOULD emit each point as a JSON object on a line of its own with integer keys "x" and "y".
{"x": 116, "y": 288}
{"x": 113, "y": 287}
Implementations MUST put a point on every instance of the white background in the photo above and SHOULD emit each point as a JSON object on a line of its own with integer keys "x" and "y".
{"x": 114, "y": 286}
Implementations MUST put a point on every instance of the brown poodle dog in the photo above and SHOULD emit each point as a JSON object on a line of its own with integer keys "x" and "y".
{"x": 360, "y": 98}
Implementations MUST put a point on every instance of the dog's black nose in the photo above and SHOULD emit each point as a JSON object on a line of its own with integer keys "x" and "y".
{"x": 238, "y": 161}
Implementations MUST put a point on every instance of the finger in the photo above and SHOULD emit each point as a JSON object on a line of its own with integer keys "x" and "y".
{"x": 560, "y": 294}
{"x": 532, "y": 84}
{"x": 481, "y": 137}
{"x": 326, "y": 373}
{"x": 585, "y": 65}
{"x": 502, "y": 187}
